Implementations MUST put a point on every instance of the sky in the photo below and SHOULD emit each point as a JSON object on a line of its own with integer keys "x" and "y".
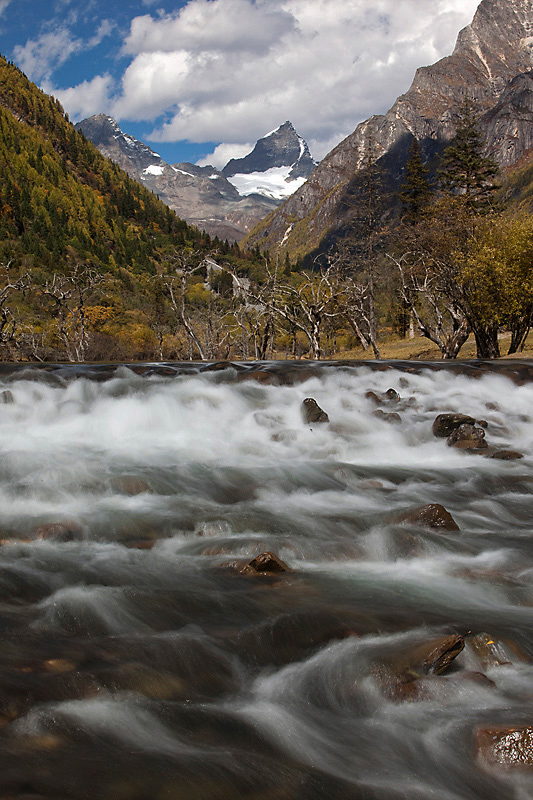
{"x": 202, "y": 80}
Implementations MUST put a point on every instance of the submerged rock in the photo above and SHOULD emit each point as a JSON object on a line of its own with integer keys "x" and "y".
{"x": 506, "y": 455}
{"x": 7, "y": 396}
{"x": 387, "y": 416}
{"x": 390, "y": 396}
{"x": 432, "y": 515}
{"x": 445, "y": 424}
{"x": 312, "y": 412}
{"x": 58, "y": 531}
{"x": 505, "y": 746}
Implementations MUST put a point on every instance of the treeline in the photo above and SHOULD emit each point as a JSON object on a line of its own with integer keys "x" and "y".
{"x": 95, "y": 267}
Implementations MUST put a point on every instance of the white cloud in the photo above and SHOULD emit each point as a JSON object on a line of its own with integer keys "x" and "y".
{"x": 40, "y": 57}
{"x": 3, "y": 5}
{"x": 85, "y": 99}
{"x": 222, "y": 154}
{"x": 229, "y": 70}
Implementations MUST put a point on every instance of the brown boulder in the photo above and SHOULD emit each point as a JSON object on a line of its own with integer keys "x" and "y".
{"x": 312, "y": 412}
{"x": 432, "y": 515}
{"x": 265, "y": 563}
{"x": 259, "y": 376}
{"x": 506, "y": 455}
{"x": 387, "y": 416}
{"x": 445, "y": 424}
{"x": 58, "y": 531}
{"x": 503, "y": 746}
{"x": 7, "y": 396}
{"x": 390, "y": 396}
{"x": 467, "y": 437}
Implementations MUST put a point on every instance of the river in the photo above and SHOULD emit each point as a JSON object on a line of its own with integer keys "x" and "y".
{"x": 385, "y": 656}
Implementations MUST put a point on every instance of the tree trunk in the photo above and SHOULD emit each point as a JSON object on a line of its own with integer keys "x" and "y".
{"x": 487, "y": 341}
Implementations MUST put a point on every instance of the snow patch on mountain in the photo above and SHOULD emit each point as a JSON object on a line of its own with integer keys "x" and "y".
{"x": 153, "y": 170}
{"x": 273, "y": 182}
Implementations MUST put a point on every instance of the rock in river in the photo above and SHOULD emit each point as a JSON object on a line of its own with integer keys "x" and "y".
{"x": 432, "y": 515}
{"x": 445, "y": 424}
{"x": 312, "y": 412}
{"x": 505, "y": 746}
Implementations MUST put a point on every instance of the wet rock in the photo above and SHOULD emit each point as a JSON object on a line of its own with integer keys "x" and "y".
{"x": 312, "y": 412}
{"x": 129, "y": 484}
{"x": 467, "y": 437}
{"x": 390, "y": 416}
{"x": 390, "y": 396}
{"x": 59, "y": 665}
{"x": 139, "y": 678}
{"x": 501, "y": 746}
{"x": 432, "y": 515}
{"x": 445, "y": 424}
{"x": 259, "y": 376}
{"x": 506, "y": 455}
{"x": 140, "y": 544}
{"x": 429, "y": 658}
{"x": 218, "y": 366}
{"x": 58, "y": 531}
{"x": 7, "y": 396}
{"x": 265, "y": 563}
{"x": 494, "y": 652}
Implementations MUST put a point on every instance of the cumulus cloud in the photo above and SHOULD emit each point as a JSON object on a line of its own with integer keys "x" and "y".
{"x": 40, "y": 57}
{"x": 85, "y": 99}
{"x": 3, "y": 5}
{"x": 222, "y": 154}
{"x": 229, "y": 70}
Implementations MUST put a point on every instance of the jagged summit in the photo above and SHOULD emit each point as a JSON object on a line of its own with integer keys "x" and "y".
{"x": 490, "y": 52}
{"x": 105, "y": 132}
{"x": 282, "y": 147}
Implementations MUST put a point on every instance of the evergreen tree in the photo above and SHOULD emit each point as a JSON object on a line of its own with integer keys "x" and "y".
{"x": 415, "y": 191}
{"x": 465, "y": 171}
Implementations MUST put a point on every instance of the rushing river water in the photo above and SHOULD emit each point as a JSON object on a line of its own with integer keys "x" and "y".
{"x": 139, "y": 663}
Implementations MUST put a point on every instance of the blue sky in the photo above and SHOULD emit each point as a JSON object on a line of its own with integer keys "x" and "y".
{"x": 202, "y": 80}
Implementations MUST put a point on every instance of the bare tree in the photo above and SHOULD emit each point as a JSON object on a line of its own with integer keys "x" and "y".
{"x": 12, "y": 328}
{"x": 424, "y": 290}
{"x": 69, "y": 295}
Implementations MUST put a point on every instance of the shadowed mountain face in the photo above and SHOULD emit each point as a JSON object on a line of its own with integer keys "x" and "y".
{"x": 225, "y": 203}
{"x": 490, "y": 55}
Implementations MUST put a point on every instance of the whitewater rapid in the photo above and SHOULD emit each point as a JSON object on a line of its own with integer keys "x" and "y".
{"x": 139, "y": 663}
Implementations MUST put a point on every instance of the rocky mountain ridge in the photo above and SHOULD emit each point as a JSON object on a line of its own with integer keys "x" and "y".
{"x": 490, "y": 64}
{"x": 227, "y": 203}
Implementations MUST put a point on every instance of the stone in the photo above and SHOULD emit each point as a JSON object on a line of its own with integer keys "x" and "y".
{"x": 265, "y": 563}
{"x": 467, "y": 437}
{"x": 502, "y": 746}
{"x": 390, "y": 396}
{"x": 129, "y": 484}
{"x": 390, "y": 416}
{"x": 312, "y": 412}
{"x": 59, "y": 665}
{"x": 58, "y": 531}
{"x": 7, "y": 396}
{"x": 259, "y": 376}
{"x": 445, "y": 424}
{"x": 432, "y": 515}
{"x": 506, "y": 455}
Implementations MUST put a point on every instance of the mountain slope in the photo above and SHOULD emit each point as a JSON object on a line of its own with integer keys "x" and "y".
{"x": 61, "y": 201}
{"x": 489, "y": 54}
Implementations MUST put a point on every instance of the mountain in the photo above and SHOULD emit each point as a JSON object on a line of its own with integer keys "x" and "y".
{"x": 490, "y": 64}
{"x": 225, "y": 203}
{"x": 62, "y": 202}
{"x": 278, "y": 165}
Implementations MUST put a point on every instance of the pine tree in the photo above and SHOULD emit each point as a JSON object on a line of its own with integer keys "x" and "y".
{"x": 465, "y": 171}
{"x": 415, "y": 191}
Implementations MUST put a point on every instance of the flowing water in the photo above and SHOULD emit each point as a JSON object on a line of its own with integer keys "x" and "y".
{"x": 138, "y": 663}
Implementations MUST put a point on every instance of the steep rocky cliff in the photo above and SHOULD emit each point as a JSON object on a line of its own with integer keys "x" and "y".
{"x": 487, "y": 65}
